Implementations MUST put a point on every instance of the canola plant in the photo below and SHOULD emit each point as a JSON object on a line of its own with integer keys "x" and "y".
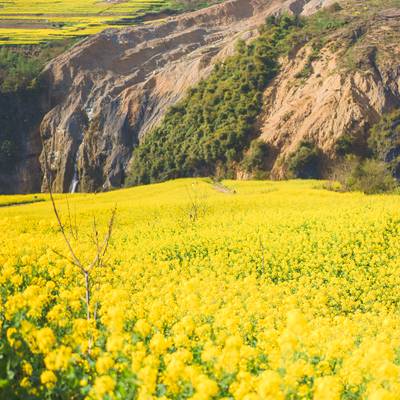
{"x": 38, "y": 21}
{"x": 268, "y": 291}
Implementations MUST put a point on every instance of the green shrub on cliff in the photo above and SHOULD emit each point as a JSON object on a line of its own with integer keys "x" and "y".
{"x": 384, "y": 141}
{"x": 305, "y": 162}
{"x": 17, "y": 70}
{"x": 209, "y": 132}
{"x": 213, "y": 124}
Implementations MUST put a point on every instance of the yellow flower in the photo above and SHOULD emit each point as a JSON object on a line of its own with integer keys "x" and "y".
{"x": 58, "y": 359}
{"x": 382, "y": 394}
{"x": 115, "y": 343}
{"x": 103, "y": 385}
{"x": 142, "y": 327}
{"x": 11, "y": 335}
{"x": 327, "y": 388}
{"x": 25, "y": 382}
{"x": 269, "y": 386}
{"x": 205, "y": 387}
{"x": 158, "y": 343}
{"x": 104, "y": 363}
{"x": 45, "y": 339}
{"x": 27, "y": 368}
{"x": 48, "y": 378}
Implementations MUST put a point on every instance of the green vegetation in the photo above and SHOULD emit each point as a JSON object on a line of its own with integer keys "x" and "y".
{"x": 305, "y": 162}
{"x": 19, "y": 92}
{"x": 17, "y": 70}
{"x": 373, "y": 169}
{"x": 384, "y": 141}
{"x": 369, "y": 176}
{"x": 256, "y": 157}
{"x": 208, "y": 131}
{"x": 21, "y": 65}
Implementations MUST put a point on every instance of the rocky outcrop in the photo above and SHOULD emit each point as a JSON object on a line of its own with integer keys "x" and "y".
{"x": 108, "y": 91}
{"x": 353, "y": 79}
{"x": 111, "y": 89}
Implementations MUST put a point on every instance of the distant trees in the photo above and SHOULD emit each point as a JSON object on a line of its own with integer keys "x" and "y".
{"x": 373, "y": 169}
{"x": 17, "y": 70}
{"x": 384, "y": 141}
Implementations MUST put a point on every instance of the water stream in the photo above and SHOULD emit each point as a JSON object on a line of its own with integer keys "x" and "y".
{"x": 75, "y": 178}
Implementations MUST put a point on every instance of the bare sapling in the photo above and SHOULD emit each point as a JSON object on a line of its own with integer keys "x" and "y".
{"x": 197, "y": 206}
{"x": 101, "y": 246}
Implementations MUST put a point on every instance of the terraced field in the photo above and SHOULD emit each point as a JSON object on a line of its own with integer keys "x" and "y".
{"x": 37, "y": 21}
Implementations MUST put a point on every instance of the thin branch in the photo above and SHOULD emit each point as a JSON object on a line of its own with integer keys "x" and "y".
{"x": 71, "y": 228}
{"x": 103, "y": 249}
{"x": 60, "y": 224}
{"x": 96, "y": 235}
{"x": 67, "y": 258}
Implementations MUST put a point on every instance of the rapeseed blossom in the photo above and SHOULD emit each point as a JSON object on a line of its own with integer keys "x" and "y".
{"x": 280, "y": 291}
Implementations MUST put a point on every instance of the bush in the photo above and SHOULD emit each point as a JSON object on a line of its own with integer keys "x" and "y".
{"x": 369, "y": 176}
{"x": 344, "y": 145}
{"x": 305, "y": 162}
{"x": 384, "y": 141}
{"x": 256, "y": 157}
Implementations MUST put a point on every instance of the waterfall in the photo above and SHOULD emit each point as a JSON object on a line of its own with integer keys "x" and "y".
{"x": 75, "y": 177}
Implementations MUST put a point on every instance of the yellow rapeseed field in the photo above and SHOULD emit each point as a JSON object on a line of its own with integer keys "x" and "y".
{"x": 274, "y": 291}
{"x": 37, "y": 21}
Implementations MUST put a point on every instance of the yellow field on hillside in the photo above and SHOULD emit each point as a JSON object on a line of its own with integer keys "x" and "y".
{"x": 252, "y": 290}
{"x": 36, "y": 21}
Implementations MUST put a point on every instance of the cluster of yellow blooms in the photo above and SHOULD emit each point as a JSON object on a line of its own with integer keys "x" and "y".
{"x": 277, "y": 291}
{"x": 36, "y": 21}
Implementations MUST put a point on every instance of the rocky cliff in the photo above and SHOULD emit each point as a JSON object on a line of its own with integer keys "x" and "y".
{"x": 340, "y": 91}
{"x": 107, "y": 92}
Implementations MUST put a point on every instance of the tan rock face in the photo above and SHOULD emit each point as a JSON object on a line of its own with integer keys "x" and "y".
{"x": 111, "y": 89}
{"x": 107, "y": 92}
{"x": 353, "y": 82}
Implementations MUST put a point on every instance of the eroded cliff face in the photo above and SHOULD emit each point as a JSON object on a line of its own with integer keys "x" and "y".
{"x": 354, "y": 79}
{"x": 105, "y": 94}
{"x": 110, "y": 90}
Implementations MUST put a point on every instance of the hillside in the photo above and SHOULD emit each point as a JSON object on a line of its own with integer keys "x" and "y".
{"x": 279, "y": 290}
{"x": 334, "y": 77}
